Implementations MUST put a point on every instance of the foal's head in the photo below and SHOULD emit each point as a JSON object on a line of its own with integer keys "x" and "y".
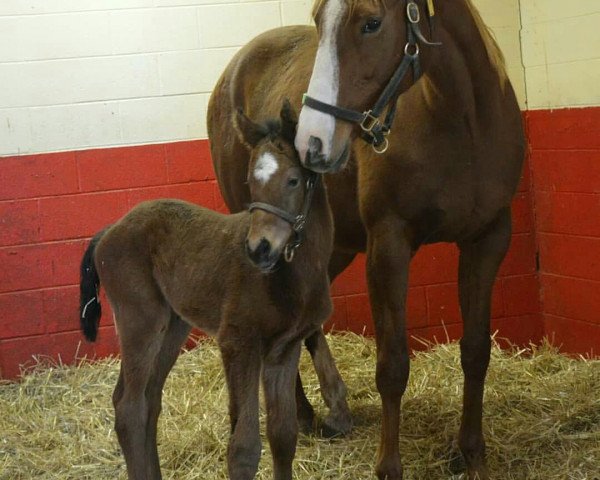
{"x": 278, "y": 186}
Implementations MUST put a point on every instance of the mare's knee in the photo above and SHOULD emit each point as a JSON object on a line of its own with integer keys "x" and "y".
{"x": 392, "y": 374}
{"x": 475, "y": 357}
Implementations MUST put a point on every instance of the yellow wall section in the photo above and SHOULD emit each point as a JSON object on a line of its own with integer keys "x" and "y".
{"x": 561, "y": 52}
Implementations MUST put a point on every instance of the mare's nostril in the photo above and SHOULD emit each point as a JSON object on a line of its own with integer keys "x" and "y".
{"x": 314, "y": 151}
{"x": 314, "y": 146}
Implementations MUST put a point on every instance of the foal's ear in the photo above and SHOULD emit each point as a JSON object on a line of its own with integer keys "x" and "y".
{"x": 289, "y": 120}
{"x": 250, "y": 133}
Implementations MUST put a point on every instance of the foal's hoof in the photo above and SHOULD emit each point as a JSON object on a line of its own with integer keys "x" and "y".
{"x": 336, "y": 425}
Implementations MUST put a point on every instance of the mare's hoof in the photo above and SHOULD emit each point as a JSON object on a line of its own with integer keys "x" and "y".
{"x": 390, "y": 469}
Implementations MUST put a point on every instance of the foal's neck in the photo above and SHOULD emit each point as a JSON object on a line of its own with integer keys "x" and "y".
{"x": 318, "y": 234}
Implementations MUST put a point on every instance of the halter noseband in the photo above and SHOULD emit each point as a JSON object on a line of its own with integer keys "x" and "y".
{"x": 374, "y": 131}
{"x": 298, "y": 222}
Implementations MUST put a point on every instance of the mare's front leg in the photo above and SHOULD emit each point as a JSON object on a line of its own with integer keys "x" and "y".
{"x": 242, "y": 362}
{"x": 279, "y": 381}
{"x": 479, "y": 261}
{"x": 388, "y": 258}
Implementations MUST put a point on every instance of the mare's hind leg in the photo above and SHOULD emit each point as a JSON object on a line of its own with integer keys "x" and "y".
{"x": 333, "y": 389}
{"x": 282, "y": 429}
{"x": 479, "y": 261}
{"x": 174, "y": 337}
{"x": 140, "y": 335}
{"x": 242, "y": 362}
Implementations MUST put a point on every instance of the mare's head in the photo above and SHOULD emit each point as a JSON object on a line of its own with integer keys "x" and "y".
{"x": 361, "y": 44}
{"x": 278, "y": 186}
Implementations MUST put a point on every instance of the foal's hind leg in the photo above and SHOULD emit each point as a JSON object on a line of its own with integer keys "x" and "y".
{"x": 174, "y": 337}
{"x": 479, "y": 261}
{"x": 241, "y": 359}
{"x": 141, "y": 339}
{"x": 282, "y": 429}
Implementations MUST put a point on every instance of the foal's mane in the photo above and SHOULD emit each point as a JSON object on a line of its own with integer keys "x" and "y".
{"x": 494, "y": 53}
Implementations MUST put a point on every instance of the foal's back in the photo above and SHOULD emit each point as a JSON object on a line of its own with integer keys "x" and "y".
{"x": 174, "y": 255}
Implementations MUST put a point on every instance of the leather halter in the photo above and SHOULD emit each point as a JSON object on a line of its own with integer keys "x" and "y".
{"x": 298, "y": 222}
{"x": 374, "y": 131}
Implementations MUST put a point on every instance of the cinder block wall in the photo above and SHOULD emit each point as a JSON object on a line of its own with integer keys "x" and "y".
{"x": 103, "y": 105}
{"x": 562, "y": 71}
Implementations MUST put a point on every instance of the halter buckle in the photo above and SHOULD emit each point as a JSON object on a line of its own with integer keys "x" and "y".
{"x": 369, "y": 121}
{"x": 300, "y": 223}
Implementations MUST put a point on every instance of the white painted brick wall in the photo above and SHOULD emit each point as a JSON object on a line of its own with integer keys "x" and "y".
{"x": 78, "y": 74}
{"x": 561, "y": 52}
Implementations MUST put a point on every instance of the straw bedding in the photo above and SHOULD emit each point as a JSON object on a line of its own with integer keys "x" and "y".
{"x": 542, "y": 418}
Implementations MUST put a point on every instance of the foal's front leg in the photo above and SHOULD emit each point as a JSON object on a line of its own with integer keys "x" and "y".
{"x": 242, "y": 371}
{"x": 388, "y": 258}
{"x": 279, "y": 380}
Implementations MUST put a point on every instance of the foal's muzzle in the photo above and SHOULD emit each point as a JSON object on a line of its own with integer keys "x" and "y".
{"x": 263, "y": 255}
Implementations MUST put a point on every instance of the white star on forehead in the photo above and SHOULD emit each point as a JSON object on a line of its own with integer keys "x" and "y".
{"x": 265, "y": 167}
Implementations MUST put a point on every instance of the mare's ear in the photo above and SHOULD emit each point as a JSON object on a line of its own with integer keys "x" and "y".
{"x": 250, "y": 133}
{"x": 289, "y": 120}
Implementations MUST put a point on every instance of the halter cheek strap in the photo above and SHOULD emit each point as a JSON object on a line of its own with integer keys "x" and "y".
{"x": 374, "y": 131}
{"x": 298, "y": 222}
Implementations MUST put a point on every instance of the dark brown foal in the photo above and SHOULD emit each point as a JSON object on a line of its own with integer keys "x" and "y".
{"x": 255, "y": 281}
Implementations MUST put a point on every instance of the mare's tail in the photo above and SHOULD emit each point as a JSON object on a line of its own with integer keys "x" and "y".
{"x": 90, "y": 309}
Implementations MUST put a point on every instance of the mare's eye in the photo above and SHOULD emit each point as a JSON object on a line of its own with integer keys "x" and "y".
{"x": 371, "y": 25}
{"x": 293, "y": 182}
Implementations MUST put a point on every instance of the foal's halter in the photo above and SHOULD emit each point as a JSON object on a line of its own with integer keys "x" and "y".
{"x": 298, "y": 222}
{"x": 374, "y": 131}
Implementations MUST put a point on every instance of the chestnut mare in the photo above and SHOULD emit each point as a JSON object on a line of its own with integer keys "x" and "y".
{"x": 452, "y": 148}
{"x": 169, "y": 265}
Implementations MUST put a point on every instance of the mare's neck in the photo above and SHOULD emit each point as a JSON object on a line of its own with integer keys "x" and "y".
{"x": 458, "y": 75}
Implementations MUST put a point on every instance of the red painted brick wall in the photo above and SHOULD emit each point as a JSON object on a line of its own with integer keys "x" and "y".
{"x": 51, "y": 204}
{"x": 565, "y": 160}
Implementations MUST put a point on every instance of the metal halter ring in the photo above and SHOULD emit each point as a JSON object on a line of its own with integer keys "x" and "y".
{"x": 382, "y": 149}
{"x": 289, "y": 251}
{"x": 415, "y": 54}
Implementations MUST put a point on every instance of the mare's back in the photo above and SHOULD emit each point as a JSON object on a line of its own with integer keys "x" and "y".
{"x": 272, "y": 67}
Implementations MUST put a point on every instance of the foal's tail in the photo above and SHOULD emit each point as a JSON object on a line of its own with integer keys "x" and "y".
{"x": 90, "y": 309}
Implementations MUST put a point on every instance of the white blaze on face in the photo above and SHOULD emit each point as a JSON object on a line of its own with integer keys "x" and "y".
{"x": 265, "y": 167}
{"x": 323, "y": 84}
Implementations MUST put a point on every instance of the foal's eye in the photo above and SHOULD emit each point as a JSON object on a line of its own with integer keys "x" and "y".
{"x": 293, "y": 182}
{"x": 371, "y": 25}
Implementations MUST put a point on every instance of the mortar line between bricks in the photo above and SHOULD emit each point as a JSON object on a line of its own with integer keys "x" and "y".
{"x": 571, "y": 319}
{"x": 100, "y": 192}
{"x": 558, "y": 275}
{"x": 570, "y": 235}
{"x": 8, "y": 292}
